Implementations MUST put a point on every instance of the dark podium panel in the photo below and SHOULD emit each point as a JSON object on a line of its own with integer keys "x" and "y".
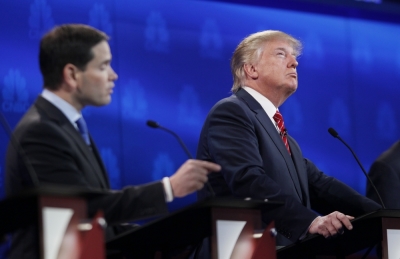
{"x": 189, "y": 226}
{"x": 21, "y": 210}
{"x": 41, "y": 206}
{"x": 368, "y": 230}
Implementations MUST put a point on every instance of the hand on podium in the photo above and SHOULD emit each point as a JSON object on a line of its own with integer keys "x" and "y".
{"x": 331, "y": 224}
{"x": 191, "y": 176}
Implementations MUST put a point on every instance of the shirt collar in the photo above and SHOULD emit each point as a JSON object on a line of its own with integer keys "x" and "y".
{"x": 66, "y": 108}
{"x": 265, "y": 103}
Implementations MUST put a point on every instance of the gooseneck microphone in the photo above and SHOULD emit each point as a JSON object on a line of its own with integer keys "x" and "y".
{"x": 156, "y": 125}
{"x": 16, "y": 145}
{"x": 336, "y": 135}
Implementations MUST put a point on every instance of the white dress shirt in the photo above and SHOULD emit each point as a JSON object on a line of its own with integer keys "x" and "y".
{"x": 265, "y": 103}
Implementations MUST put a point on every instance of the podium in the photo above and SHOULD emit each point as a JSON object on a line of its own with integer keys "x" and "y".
{"x": 59, "y": 215}
{"x": 368, "y": 230}
{"x": 190, "y": 225}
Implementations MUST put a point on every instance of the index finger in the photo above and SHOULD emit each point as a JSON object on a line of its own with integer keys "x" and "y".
{"x": 345, "y": 220}
{"x": 210, "y": 166}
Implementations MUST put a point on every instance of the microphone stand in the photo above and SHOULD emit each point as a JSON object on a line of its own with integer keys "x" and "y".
{"x": 156, "y": 125}
{"x": 336, "y": 135}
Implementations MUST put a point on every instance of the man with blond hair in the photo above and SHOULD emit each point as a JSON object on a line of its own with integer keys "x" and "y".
{"x": 245, "y": 134}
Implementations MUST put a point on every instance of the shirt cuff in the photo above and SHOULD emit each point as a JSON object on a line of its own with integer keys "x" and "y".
{"x": 169, "y": 196}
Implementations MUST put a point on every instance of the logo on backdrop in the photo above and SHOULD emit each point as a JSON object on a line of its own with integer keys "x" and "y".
{"x": 386, "y": 122}
{"x": 210, "y": 40}
{"x": 313, "y": 52}
{"x": 111, "y": 163}
{"x": 100, "y": 19}
{"x": 15, "y": 94}
{"x": 40, "y": 20}
{"x": 156, "y": 33}
{"x": 361, "y": 54}
{"x": 134, "y": 103}
{"x": 188, "y": 107}
{"x": 293, "y": 114}
{"x": 339, "y": 116}
{"x": 162, "y": 166}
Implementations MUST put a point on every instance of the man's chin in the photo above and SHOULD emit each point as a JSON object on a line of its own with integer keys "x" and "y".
{"x": 291, "y": 90}
{"x": 102, "y": 102}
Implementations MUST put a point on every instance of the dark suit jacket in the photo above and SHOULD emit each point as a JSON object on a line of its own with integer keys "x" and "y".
{"x": 240, "y": 136}
{"x": 385, "y": 174}
{"x": 60, "y": 156}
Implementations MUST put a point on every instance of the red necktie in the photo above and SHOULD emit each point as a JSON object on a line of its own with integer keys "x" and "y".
{"x": 282, "y": 130}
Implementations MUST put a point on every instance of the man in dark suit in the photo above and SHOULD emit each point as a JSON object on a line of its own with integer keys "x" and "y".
{"x": 246, "y": 135}
{"x": 385, "y": 174}
{"x": 75, "y": 61}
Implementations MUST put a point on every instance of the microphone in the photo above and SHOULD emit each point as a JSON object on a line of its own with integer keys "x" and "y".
{"x": 156, "y": 125}
{"x": 16, "y": 145}
{"x": 336, "y": 135}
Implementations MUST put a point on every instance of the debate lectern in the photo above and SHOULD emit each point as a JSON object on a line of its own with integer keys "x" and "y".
{"x": 60, "y": 215}
{"x": 232, "y": 226}
{"x": 380, "y": 227}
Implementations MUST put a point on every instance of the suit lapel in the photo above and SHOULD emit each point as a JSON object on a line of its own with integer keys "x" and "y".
{"x": 298, "y": 162}
{"x": 269, "y": 127}
{"x": 102, "y": 168}
{"x": 89, "y": 154}
{"x": 56, "y": 115}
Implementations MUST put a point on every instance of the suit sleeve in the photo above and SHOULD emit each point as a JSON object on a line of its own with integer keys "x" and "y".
{"x": 329, "y": 194}
{"x": 55, "y": 161}
{"x": 229, "y": 138}
{"x": 387, "y": 182}
{"x": 131, "y": 203}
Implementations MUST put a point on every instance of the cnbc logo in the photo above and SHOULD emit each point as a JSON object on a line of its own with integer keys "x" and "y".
{"x": 15, "y": 94}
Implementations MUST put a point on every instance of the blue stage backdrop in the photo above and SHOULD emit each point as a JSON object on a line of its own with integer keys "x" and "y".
{"x": 173, "y": 57}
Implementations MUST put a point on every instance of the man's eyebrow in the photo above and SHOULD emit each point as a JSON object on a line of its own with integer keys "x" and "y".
{"x": 294, "y": 52}
{"x": 106, "y": 61}
{"x": 286, "y": 50}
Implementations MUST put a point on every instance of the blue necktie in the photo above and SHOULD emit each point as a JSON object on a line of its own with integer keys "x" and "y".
{"x": 83, "y": 130}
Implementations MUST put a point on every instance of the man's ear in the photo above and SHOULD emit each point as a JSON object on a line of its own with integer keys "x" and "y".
{"x": 71, "y": 75}
{"x": 250, "y": 70}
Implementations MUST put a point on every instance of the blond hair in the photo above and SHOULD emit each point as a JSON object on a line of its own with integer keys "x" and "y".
{"x": 250, "y": 49}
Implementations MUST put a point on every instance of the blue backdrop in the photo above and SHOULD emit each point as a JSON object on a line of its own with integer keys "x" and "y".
{"x": 173, "y": 57}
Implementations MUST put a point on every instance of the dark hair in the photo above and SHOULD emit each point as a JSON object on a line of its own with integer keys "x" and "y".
{"x": 66, "y": 44}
